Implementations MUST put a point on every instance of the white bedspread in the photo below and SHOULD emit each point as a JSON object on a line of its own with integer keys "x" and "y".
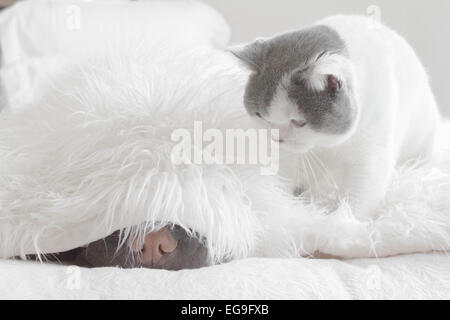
{"x": 405, "y": 277}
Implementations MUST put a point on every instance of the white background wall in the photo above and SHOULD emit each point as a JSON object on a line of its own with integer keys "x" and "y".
{"x": 424, "y": 23}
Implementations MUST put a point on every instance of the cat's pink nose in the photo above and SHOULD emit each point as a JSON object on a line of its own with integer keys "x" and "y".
{"x": 284, "y": 132}
{"x": 281, "y": 134}
{"x": 157, "y": 245}
{"x": 278, "y": 139}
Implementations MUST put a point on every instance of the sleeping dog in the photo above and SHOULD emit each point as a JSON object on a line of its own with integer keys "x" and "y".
{"x": 170, "y": 248}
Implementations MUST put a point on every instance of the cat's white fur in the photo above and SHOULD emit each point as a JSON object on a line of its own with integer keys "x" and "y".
{"x": 396, "y": 122}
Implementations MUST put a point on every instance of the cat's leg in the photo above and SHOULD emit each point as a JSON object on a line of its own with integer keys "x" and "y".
{"x": 368, "y": 178}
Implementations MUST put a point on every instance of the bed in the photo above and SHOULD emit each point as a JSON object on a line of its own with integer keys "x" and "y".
{"x": 24, "y": 57}
{"x": 407, "y": 277}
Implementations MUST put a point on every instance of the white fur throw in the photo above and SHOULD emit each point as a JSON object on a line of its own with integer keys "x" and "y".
{"x": 94, "y": 155}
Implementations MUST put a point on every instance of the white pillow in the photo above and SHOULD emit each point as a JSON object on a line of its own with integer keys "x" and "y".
{"x": 37, "y": 35}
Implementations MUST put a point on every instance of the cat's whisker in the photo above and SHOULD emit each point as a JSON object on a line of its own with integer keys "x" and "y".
{"x": 317, "y": 169}
{"x": 305, "y": 174}
{"x": 326, "y": 171}
{"x": 315, "y": 181}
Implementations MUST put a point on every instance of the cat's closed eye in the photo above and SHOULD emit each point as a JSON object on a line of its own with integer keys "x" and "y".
{"x": 297, "y": 82}
{"x": 297, "y": 79}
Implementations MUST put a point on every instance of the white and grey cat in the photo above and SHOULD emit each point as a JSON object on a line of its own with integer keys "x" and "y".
{"x": 351, "y": 101}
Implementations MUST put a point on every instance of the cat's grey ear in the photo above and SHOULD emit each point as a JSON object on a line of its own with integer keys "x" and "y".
{"x": 251, "y": 54}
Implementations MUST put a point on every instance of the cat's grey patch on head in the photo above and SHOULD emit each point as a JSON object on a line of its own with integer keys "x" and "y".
{"x": 328, "y": 111}
{"x": 272, "y": 59}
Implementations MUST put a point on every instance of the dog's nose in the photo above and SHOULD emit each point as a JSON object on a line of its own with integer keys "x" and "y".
{"x": 157, "y": 245}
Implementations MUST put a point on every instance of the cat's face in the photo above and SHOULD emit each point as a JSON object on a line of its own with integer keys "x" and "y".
{"x": 302, "y": 84}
